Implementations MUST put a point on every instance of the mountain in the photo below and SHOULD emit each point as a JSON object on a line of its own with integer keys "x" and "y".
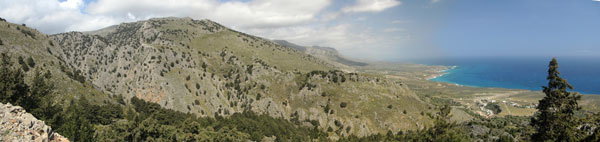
{"x": 290, "y": 45}
{"x": 204, "y": 68}
{"x": 325, "y": 53}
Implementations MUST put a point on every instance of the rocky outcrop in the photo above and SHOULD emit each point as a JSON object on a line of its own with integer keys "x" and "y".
{"x": 16, "y": 125}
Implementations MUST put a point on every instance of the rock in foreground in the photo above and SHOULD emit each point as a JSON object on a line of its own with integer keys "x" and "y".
{"x": 17, "y": 125}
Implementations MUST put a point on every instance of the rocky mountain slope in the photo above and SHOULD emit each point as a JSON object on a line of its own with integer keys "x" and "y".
{"x": 18, "y": 125}
{"x": 331, "y": 55}
{"x": 204, "y": 68}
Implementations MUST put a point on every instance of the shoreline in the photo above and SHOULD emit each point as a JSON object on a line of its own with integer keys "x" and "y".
{"x": 441, "y": 73}
{"x": 445, "y": 72}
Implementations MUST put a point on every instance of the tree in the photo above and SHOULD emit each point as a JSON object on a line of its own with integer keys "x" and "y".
{"x": 20, "y": 60}
{"x": 443, "y": 130}
{"x": 77, "y": 126}
{"x": 22, "y": 63}
{"x": 12, "y": 83}
{"x": 343, "y": 104}
{"x": 39, "y": 88}
{"x": 30, "y": 62}
{"x": 555, "y": 120}
{"x": 35, "y": 98}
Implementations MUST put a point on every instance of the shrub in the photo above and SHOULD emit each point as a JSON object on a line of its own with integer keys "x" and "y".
{"x": 258, "y": 96}
{"x": 494, "y": 107}
{"x": 343, "y": 105}
{"x": 337, "y": 123}
{"x": 30, "y": 62}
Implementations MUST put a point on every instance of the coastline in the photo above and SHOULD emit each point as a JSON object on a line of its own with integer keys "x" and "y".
{"x": 441, "y": 73}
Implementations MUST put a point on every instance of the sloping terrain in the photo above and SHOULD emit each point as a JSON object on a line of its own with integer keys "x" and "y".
{"x": 19, "y": 41}
{"x": 204, "y": 68}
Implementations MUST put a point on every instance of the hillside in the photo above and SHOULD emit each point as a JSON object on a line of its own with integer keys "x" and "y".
{"x": 331, "y": 55}
{"x": 204, "y": 68}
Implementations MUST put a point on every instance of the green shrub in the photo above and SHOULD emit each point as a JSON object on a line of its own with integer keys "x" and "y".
{"x": 343, "y": 105}
{"x": 30, "y": 62}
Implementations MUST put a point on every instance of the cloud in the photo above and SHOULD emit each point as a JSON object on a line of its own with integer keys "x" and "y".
{"x": 400, "y": 22}
{"x": 370, "y": 6}
{"x": 53, "y": 16}
{"x": 340, "y": 36}
{"x": 263, "y": 13}
{"x": 350, "y": 39}
{"x": 328, "y": 16}
{"x": 389, "y": 30}
{"x": 254, "y": 14}
{"x": 48, "y": 15}
{"x": 362, "y": 18}
{"x": 435, "y": 1}
{"x": 149, "y": 8}
{"x": 71, "y": 4}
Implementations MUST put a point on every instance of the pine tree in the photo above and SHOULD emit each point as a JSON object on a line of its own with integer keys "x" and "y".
{"x": 41, "y": 92}
{"x": 555, "y": 120}
{"x": 38, "y": 89}
{"x": 34, "y": 98}
{"x": 12, "y": 83}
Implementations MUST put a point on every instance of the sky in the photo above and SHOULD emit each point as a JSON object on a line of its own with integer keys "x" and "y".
{"x": 363, "y": 29}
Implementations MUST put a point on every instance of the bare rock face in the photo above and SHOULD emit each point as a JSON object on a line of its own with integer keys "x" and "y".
{"x": 16, "y": 125}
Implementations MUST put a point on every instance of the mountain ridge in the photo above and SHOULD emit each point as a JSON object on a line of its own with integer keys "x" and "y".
{"x": 326, "y": 53}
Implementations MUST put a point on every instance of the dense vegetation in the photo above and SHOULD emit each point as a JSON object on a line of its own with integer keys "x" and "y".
{"x": 559, "y": 118}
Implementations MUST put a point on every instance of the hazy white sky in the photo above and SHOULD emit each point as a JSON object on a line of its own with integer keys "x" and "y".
{"x": 375, "y": 29}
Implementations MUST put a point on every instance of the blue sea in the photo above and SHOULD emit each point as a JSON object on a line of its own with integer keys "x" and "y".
{"x": 520, "y": 72}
